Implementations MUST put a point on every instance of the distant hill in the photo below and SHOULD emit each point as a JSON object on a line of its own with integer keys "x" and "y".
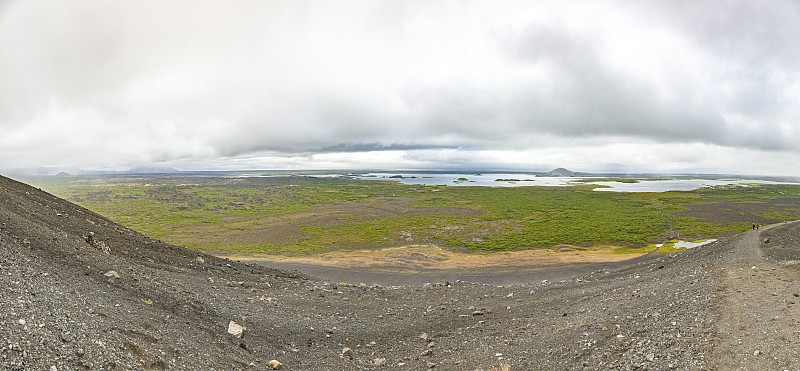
{"x": 560, "y": 172}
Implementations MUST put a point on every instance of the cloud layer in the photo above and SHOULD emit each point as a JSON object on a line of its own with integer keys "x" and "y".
{"x": 604, "y": 85}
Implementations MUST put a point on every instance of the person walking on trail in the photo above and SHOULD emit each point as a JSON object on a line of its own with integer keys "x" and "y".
{"x": 754, "y": 226}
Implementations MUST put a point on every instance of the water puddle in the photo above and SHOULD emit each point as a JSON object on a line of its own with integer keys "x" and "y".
{"x": 690, "y": 245}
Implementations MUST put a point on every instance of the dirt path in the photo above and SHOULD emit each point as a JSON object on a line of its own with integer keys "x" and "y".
{"x": 759, "y": 318}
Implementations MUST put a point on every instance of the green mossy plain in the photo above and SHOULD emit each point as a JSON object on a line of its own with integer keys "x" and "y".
{"x": 499, "y": 218}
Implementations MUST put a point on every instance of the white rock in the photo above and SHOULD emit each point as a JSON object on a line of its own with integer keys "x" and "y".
{"x": 200, "y": 260}
{"x": 21, "y": 322}
{"x": 235, "y": 329}
{"x": 347, "y": 353}
{"x": 112, "y": 274}
{"x": 275, "y": 365}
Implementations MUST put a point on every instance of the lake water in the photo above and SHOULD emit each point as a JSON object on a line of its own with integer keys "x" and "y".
{"x": 520, "y": 180}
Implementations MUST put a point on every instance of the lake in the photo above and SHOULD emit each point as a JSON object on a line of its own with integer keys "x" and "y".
{"x": 520, "y": 180}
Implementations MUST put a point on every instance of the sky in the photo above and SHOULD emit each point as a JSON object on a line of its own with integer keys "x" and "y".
{"x": 597, "y": 86}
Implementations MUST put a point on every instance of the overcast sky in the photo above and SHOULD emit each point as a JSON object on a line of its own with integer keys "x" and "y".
{"x": 623, "y": 86}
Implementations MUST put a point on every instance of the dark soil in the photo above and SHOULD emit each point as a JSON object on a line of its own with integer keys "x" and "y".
{"x": 62, "y": 307}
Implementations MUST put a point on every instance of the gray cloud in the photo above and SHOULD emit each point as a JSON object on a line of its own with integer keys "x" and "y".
{"x": 114, "y": 84}
{"x": 372, "y": 147}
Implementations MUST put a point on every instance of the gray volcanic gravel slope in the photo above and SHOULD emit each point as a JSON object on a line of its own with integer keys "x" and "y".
{"x": 122, "y": 300}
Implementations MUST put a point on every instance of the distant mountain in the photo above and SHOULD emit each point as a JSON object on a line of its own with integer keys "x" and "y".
{"x": 560, "y": 172}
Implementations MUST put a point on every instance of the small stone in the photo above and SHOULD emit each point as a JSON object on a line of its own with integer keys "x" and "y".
{"x": 379, "y": 361}
{"x": 200, "y": 260}
{"x": 426, "y": 352}
{"x": 21, "y": 322}
{"x": 274, "y": 364}
{"x": 347, "y": 353}
{"x": 478, "y": 313}
{"x": 53, "y": 368}
{"x": 432, "y": 344}
{"x": 498, "y": 355}
{"x": 758, "y": 352}
{"x": 423, "y": 336}
{"x": 26, "y": 243}
{"x": 427, "y": 286}
{"x": 235, "y": 329}
{"x": 111, "y": 274}
{"x": 431, "y": 365}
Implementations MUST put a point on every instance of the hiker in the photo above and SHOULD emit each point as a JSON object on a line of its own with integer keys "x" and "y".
{"x": 754, "y": 226}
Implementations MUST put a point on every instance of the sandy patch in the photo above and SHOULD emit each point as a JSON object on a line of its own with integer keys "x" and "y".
{"x": 429, "y": 257}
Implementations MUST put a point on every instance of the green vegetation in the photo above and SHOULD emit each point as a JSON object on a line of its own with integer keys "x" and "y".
{"x": 297, "y": 214}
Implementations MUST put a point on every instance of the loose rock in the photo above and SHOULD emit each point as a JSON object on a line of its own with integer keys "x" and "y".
{"x": 235, "y": 329}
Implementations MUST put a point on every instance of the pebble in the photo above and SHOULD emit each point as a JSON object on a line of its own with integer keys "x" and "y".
{"x": 235, "y": 329}
{"x": 347, "y": 353}
{"x": 111, "y": 274}
{"x": 275, "y": 365}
